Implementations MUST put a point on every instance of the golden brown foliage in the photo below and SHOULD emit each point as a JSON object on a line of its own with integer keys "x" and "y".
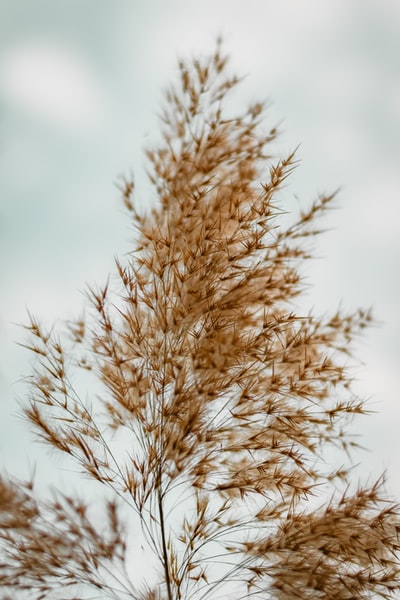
{"x": 227, "y": 397}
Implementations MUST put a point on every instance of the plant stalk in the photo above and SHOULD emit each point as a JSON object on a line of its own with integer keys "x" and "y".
{"x": 163, "y": 540}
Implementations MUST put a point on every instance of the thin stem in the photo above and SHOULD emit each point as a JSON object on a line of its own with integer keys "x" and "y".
{"x": 165, "y": 559}
{"x": 163, "y": 540}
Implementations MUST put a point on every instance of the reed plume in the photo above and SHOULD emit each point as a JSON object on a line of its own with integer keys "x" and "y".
{"x": 212, "y": 401}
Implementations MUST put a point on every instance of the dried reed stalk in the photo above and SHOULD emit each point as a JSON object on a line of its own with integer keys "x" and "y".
{"x": 227, "y": 398}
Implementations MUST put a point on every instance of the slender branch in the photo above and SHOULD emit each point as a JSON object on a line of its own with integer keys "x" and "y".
{"x": 163, "y": 538}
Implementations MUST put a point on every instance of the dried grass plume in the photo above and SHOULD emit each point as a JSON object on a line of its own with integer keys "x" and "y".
{"x": 225, "y": 398}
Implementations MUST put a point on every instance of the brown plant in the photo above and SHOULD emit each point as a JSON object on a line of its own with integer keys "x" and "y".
{"x": 217, "y": 400}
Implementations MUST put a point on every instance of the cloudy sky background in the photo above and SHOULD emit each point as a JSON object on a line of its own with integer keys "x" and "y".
{"x": 80, "y": 83}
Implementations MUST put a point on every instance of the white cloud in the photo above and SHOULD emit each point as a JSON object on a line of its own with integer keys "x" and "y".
{"x": 52, "y": 83}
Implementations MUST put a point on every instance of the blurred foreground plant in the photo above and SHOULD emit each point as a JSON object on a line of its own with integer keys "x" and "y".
{"x": 217, "y": 400}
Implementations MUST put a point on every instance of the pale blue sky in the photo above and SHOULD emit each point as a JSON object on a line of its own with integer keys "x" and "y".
{"x": 80, "y": 83}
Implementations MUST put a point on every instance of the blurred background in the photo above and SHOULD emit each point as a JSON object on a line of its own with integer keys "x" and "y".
{"x": 80, "y": 85}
